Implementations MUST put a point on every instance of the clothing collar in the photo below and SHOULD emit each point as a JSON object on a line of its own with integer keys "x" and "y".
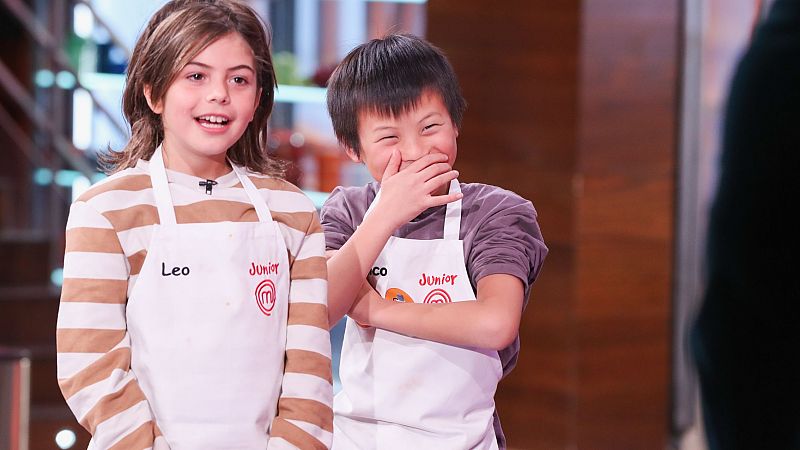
{"x": 228, "y": 180}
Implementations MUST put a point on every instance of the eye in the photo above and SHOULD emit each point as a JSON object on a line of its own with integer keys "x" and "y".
{"x": 195, "y": 76}
{"x": 239, "y": 80}
{"x": 431, "y": 126}
{"x": 384, "y": 138}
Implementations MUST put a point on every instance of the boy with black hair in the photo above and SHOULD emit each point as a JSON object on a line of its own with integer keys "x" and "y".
{"x": 455, "y": 260}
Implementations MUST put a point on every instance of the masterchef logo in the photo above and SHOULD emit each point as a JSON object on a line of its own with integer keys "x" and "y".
{"x": 437, "y": 296}
{"x": 265, "y": 296}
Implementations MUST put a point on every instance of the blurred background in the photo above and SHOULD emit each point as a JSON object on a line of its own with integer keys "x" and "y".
{"x": 605, "y": 113}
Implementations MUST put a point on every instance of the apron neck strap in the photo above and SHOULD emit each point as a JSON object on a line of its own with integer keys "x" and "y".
{"x": 166, "y": 212}
{"x": 158, "y": 177}
{"x": 252, "y": 192}
{"x": 452, "y": 215}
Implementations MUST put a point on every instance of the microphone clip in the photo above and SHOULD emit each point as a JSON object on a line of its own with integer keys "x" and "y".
{"x": 208, "y": 184}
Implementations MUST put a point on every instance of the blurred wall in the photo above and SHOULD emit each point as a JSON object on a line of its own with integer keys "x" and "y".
{"x": 17, "y": 60}
{"x": 573, "y": 105}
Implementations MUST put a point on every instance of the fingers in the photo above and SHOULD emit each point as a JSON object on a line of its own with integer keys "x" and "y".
{"x": 438, "y": 181}
{"x": 432, "y": 178}
{"x": 439, "y": 200}
{"x": 425, "y": 171}
{"x": 426, "y": 161}
{"x": 393, "y": 166}
{"x": 443, "y": 179}
{"x": 435, "y": 170}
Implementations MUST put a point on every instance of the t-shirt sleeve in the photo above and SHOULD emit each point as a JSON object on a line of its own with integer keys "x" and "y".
{"x": 304, "y": 418}
{"x": 508, "y": 241}
{"x": 336, "y": 216}
{"x": 92, "y": 341}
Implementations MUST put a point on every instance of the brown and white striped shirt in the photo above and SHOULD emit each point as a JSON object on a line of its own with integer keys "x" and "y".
{"x": 108, "y": 234}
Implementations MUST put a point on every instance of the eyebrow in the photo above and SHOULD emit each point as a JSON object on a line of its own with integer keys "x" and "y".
{"x": 230, "y": 69}
{"x": 383, "y": 128}
{"x": 429, "y": 115}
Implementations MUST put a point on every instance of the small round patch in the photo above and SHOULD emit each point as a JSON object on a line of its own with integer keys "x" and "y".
{"x": 398, "y": 295}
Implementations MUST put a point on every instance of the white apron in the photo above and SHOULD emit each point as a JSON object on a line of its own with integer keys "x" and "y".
{"x": 207, "y": 322}
{"x": 400, "y": 392}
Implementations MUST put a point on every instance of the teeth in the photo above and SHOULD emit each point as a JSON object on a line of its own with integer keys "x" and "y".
{"x": 214, "y": 119}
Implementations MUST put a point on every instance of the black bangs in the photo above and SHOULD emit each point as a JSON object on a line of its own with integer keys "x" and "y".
{"x": 388, "y": 76}
{"x": 392, "y": 75}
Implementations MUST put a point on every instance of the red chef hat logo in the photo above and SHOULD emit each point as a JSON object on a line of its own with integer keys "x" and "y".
{"x": 265, "y": 296}
{"x": 437, "y": 296}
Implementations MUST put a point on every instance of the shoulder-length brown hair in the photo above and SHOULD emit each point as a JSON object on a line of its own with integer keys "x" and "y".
{"x": 174, "y": 35}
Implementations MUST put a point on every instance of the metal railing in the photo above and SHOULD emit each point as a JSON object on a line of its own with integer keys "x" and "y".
{"x": 40, "y": 133}
{"x": 47, "y": 42}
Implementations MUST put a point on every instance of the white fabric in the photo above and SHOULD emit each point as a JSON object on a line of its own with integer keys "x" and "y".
{"x": 82, "y": 402}
{"x": 208, "y": 338}
{"x": 107, "y": 432}
{"x": 400, "y": 392}
{"x": 77, "y": 218}
{"x": 99, "y": 266}
{"x": 71, "y": 363}
{"x": 97, "y": 316}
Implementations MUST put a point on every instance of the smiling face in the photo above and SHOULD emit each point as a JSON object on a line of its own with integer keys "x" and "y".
{"x": 425, "y": 128}
{"x": 211, "y": 101}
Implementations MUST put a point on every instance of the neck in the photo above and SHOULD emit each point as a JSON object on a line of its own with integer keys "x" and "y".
{"x": 201, "y": 166}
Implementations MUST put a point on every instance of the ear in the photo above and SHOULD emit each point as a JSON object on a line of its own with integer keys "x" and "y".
{"x": 352, "y": 155}
{"x": 156, "y": 108}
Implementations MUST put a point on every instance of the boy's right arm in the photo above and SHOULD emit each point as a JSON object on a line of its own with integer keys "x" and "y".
{"x": 92, "y": 342}
{"x": 404, "y": 195}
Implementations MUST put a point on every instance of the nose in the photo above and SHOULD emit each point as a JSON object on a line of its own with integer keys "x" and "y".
{"x": 218, "y": 92}
{"x": 414, "y": 149}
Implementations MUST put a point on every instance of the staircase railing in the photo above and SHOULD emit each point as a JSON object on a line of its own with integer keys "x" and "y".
{"x": 47, "y": 146}
{"x": 49, "y": 43}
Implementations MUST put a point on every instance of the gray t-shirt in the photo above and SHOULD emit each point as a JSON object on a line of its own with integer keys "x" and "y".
{"x": 498, "y": 228}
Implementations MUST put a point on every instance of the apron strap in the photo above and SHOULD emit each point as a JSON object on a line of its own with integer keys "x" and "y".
{"x": 252, "y": 192}
{"x": 158, "y": 177}
{"x": 372, "y": 205}
{"x": 166, "y": 212}
{"x": 452, "y": 215}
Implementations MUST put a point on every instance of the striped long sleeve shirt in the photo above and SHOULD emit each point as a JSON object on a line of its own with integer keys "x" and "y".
{"x": 108, "y": 234}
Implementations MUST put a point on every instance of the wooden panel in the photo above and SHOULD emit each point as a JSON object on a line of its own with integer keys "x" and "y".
{"x": 28, "y": 320}
{"x": 517, "y": 64}
{"x": 535, "y": 401}
{"x": 572, "y": 105}
{"x": 623, "y": 379}
{"x": 625, "y": 216}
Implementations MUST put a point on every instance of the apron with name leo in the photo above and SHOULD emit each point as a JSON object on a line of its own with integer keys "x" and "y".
{"x": 207, "y": 322}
